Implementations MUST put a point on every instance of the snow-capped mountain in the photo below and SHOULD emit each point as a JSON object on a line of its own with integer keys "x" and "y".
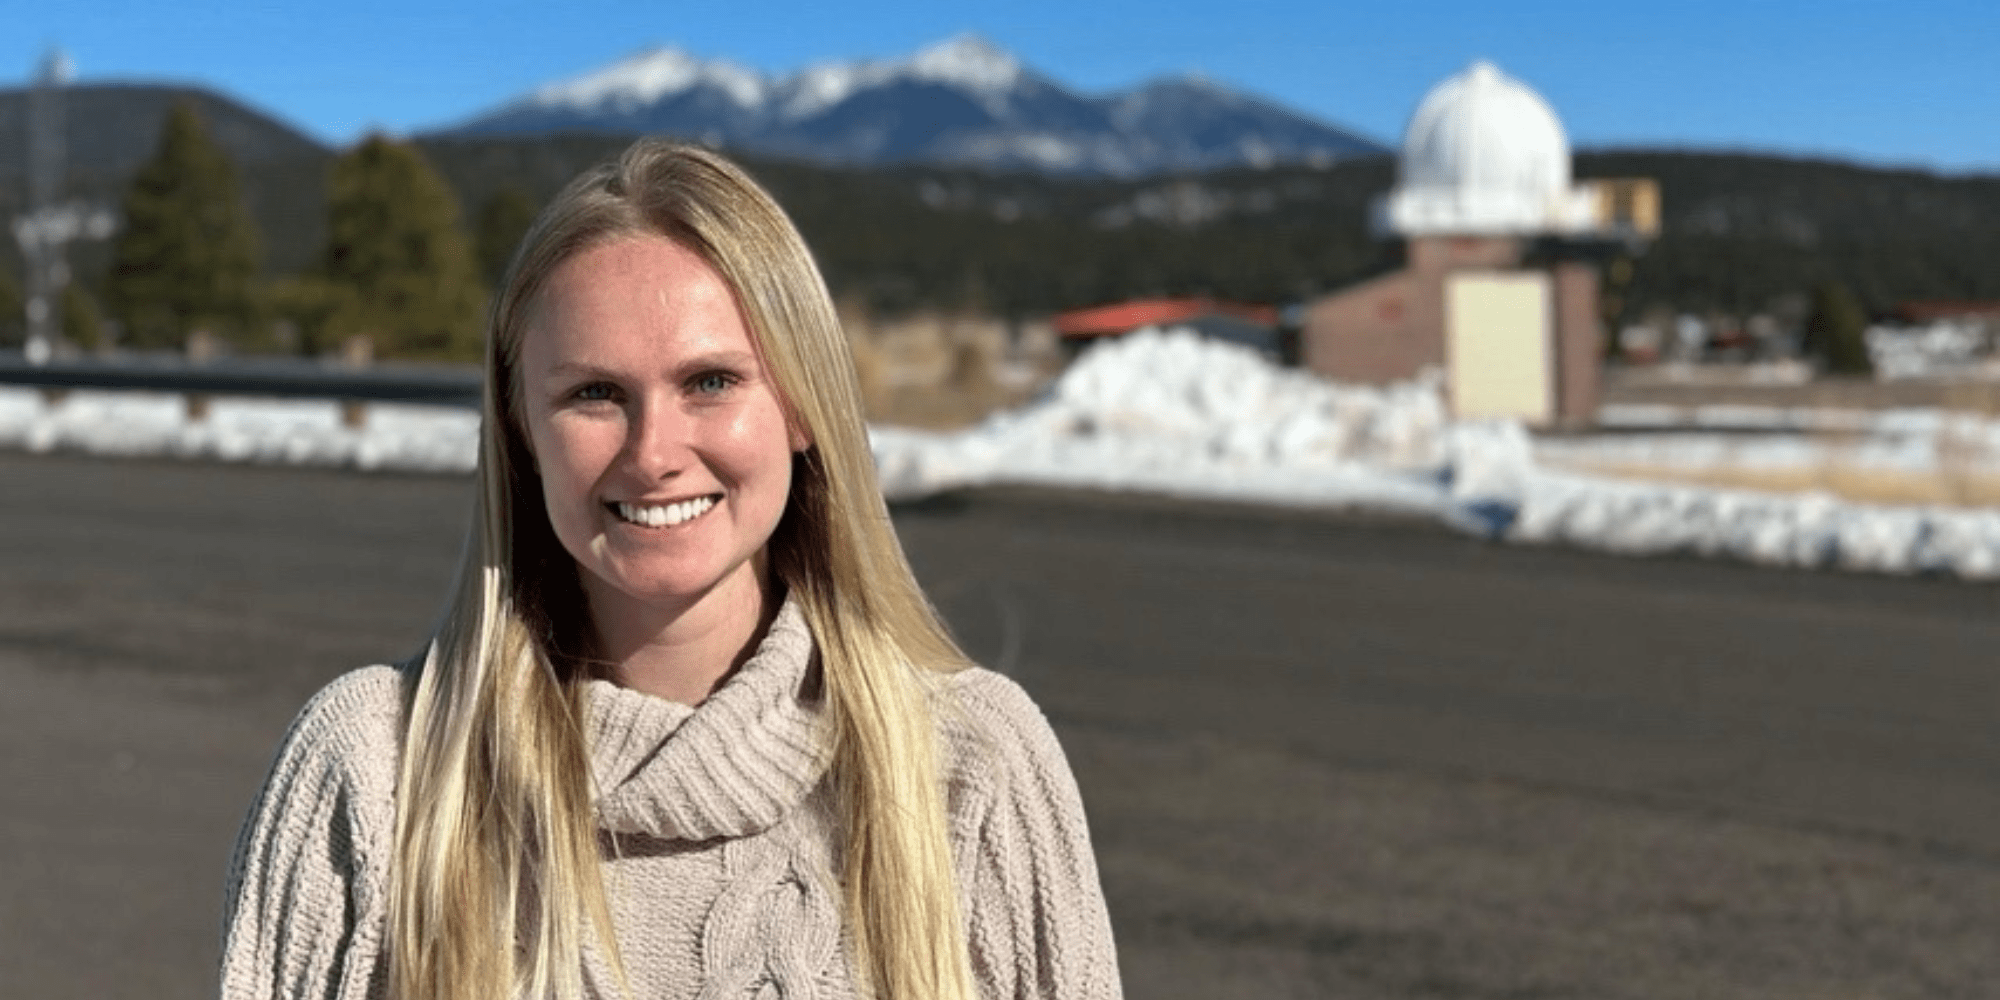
{"x": 961, "y": 101}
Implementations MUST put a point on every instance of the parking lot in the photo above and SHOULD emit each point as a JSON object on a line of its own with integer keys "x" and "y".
{"x": 1322, "y": 755}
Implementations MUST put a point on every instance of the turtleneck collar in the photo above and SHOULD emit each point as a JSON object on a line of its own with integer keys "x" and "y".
{"x": 729, "y": 767}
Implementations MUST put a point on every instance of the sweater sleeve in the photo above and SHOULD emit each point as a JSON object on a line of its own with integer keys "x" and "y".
{"x": 1036, "y": 919}
{"x": 305, "y": 904}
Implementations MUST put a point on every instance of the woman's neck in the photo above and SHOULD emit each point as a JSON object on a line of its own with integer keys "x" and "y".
{"x": 682, "y": 652}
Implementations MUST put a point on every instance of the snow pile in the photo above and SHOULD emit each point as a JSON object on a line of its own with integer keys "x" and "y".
{"x": 1734, "y": 417}
{"x": 1803, "y": 530}
{"x": 1942, "y": 347}
{"x": 392, "y": 437}
{"x": 1915, "y": 441}
{"x": 1173, "y": 413}
{"x": 1170, "y": 413}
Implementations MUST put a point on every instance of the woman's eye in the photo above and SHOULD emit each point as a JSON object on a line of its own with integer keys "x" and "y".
{"x": 597, "y": 392}
{"x": 712, "y": 383}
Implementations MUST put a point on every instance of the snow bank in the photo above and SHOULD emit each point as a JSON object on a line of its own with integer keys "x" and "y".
{"x": 393, "y": 437}
{"x": 1803, "y": 530}
{"x": 1942, "y": 347}
{"x": 1912, "y": 441}
{"x": 1171, "y": 413}
{"x": 1168, "y": 412}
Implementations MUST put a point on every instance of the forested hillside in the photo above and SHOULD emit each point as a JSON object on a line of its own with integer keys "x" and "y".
{"x": 1741, "y": 230}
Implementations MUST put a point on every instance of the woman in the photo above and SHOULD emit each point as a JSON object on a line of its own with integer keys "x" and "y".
{"x": 689, "y": 727}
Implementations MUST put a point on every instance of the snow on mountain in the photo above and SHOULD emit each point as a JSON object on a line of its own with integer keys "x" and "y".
{"x": 965, "y": 62}
{"x": 819, "y": 87}
{"x": 649, "y": 77}
{"x": 1196, "y": 120}
{"x": 962, "y": 101}
{"x": 970, "y": 62}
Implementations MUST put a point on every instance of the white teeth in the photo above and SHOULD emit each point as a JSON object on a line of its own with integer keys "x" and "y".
{"x": 661, "y": 515}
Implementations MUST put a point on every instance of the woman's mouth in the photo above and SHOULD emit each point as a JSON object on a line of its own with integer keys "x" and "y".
{"x": 665, "y": 514}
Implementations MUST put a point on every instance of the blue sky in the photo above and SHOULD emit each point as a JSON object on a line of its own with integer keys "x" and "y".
{"x": 1914, "y": 84}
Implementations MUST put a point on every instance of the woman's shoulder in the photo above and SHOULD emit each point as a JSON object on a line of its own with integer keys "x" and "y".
{"x": 1035, "y": 910}
{"x": 981, "y": 705}
{"x": 349, "y": 732}
{"x": 308, "y": 878}
{"x": 995, "y": 738}
{"x": 355, "y": 707}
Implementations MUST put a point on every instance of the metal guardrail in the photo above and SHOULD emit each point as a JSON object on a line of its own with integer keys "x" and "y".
{"x": 437, "y": 384}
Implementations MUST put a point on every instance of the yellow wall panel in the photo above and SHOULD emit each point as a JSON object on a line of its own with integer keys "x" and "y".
{"x": 1498, "y": 345}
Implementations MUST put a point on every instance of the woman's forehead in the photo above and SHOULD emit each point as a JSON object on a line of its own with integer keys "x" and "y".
{"x": 636, "y": 288}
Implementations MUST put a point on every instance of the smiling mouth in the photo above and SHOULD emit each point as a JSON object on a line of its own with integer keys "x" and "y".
{"x": 665, "y": 514}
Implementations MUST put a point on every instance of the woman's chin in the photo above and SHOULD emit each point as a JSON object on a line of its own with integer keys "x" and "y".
{"x": 669, "y": 588}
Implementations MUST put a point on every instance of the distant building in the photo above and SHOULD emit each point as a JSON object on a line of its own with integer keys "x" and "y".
{"x": 1485, "y": 170}
{"x": 1253, "y": 326}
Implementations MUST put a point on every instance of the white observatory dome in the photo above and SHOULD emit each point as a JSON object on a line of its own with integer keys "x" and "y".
{"x": 1484, "y": 154}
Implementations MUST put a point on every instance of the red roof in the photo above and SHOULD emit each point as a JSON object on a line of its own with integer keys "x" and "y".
{"x": 1124, "y": 317}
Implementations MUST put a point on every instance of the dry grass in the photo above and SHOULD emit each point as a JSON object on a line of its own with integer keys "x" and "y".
{"x": 1723, "y": 386}
{"x": 1948, "y": 486}
{"x": 941, "y": 371}
{"x": 1961, "y": 479}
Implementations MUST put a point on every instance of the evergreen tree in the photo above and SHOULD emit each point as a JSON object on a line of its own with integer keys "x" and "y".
{"x": 393, "y": 240}
{"x": 187, "y": 255}
{"x": 503, "y": 220}
{"x": 1836, "y": 331}
{"x": 82, "y": 324}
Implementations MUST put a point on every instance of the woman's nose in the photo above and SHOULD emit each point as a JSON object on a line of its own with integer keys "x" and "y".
{"x": 659, "y": 440}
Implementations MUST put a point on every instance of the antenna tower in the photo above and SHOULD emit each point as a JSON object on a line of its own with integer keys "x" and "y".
{"x": 41, "y": 233}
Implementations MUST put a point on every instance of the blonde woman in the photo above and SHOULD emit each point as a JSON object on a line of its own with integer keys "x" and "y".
{"x": 689, "y": 728}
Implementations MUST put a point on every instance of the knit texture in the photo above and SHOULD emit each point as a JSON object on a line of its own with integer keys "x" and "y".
{"x": 722, "y": 847}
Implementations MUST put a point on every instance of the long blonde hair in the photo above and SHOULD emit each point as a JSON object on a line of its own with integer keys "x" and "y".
{"x": 497, "y": 882}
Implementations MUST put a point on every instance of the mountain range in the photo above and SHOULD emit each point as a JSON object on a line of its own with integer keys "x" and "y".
{"x": 961, "y": 102}
{"x": 1738, "y": 230}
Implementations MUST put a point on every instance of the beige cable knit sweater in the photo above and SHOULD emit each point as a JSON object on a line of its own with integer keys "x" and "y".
{"x": 724, "y": 880}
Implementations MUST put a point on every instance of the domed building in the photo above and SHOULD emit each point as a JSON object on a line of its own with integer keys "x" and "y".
{"x": 1485, "y": 154}
{"x": 1484, "y": 171}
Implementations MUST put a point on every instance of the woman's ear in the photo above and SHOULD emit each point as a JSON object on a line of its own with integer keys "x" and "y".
{"x": 800, "y": 437}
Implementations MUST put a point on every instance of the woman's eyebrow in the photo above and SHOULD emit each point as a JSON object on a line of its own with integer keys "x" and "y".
{"x": 571, "y": 369}
{"x": 713, "y": 358}
{"x": 708, "y": 359}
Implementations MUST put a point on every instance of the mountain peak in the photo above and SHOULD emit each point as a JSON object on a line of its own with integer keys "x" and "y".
{"x": 915, "y": 109}
{"x": 648, "y": 76}
{"x": 967, "y": 59}
{"x": 964, "y": 60}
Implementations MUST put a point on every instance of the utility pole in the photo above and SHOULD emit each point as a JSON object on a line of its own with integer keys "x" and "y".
{"x": 48, "y": 266}
{"x": 50, "y": 224}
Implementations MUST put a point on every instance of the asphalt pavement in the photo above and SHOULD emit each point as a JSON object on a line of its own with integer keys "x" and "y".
{"x": 1323, "y": 755}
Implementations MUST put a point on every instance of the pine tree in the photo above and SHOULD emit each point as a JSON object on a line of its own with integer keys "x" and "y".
{"x": 503, "y": 220}
{"x": 187, "y": 257}
{"x": 1837, "y": 331}
{"x": 393, "y": 240}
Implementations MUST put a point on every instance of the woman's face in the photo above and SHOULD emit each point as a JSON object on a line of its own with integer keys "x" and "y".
{"x": 664, "y": 453}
